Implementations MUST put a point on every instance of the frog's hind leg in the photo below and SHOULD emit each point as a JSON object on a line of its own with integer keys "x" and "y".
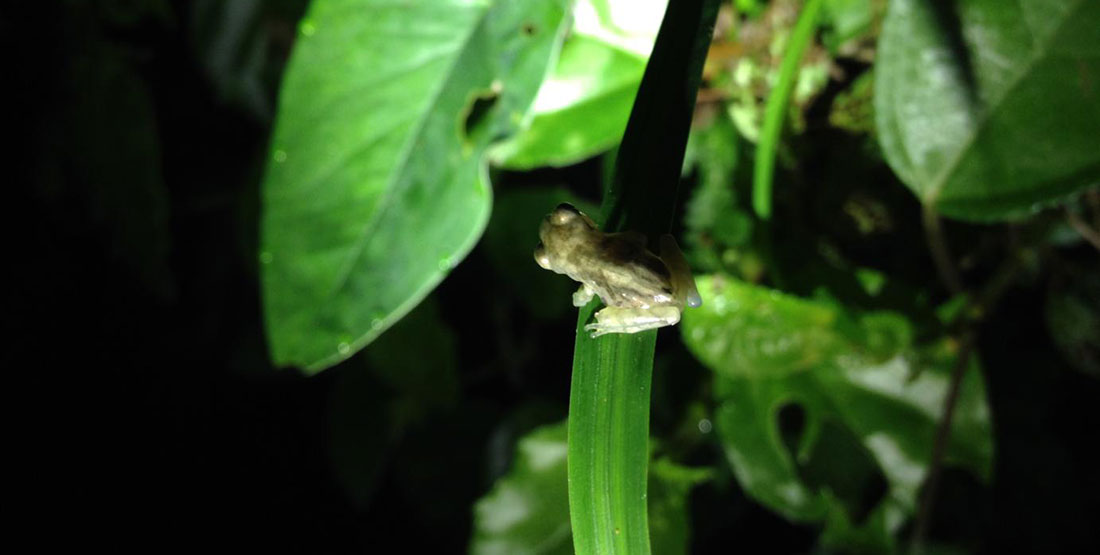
{"x": 683, "y": 283}
{"x": 632, "y": 320}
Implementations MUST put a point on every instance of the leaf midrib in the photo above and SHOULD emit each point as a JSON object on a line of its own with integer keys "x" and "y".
{"x": 403, "y": 160}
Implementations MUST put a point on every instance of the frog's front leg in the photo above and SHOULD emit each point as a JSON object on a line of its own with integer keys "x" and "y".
{"x": 615, "y": 319}
{"x": 582, "y": 295}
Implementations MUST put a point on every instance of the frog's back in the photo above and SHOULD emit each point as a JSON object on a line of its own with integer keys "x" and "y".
{"x": 630, "y": 276}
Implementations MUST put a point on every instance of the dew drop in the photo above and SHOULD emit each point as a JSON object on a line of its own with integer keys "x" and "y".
{"x": 266, "y": 257}
{"x": 445, "y": 263}
{"x": 705, "y": 426}
{"x": 343, "y": 348}
{"x": 308, "y": 28}
{"x": 280, "y": 156}
{"x": 376, "y": 323}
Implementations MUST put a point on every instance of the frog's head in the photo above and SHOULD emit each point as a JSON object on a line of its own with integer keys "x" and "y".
{"x": 566, "y": 215}
{"x": 559, "y": 231}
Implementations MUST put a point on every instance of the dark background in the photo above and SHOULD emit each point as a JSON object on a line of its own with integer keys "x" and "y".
{"x": 155, "y": 420}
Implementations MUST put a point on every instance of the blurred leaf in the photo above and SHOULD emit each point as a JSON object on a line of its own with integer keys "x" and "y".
{"x": 758, "y": 69}
{"x": 990, "y": 110}
{"x": 750, "y": 7}
{"x": 101, "y": 147}
{"x": 669, "y": 512}
{"x": 376, "y": 185}
{"x": 853, "y": 109}
{"x": 745, "y": 330}
{"x": 426, "y": 379}
{"x": 527, "y": 510}
{"x": 510, "y": 241}
{"x": 847, "y": 376}
{"x": 359, "y": 432}
{"x": 438, "y": 470}
{"x": 846, "y": 20}
{"x": 581, "y": 110}
{"x": 717, "y": 229}
{"x": 777, "y": 107}
{"x": 401, "y": 384}
{"x": 232, "y": 45}
{"x": 1073, "y": 319}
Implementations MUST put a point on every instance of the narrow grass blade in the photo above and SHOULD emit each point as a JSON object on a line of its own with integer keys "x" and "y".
{"x": 609, "y": 399}
{"x": 764, "y": 168}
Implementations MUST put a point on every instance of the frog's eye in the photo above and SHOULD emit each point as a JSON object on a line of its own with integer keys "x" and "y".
{"x": 564, "y": 214}
{"x": 541, "y": 257}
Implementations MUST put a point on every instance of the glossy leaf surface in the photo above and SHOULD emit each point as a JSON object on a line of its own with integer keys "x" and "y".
{"x": 988, "y": 109}
{"x": 527, "y": 511}
{"x": 582, "y": 108}
{"x": 862, "y": 397}
{"x": 376, "y": 185}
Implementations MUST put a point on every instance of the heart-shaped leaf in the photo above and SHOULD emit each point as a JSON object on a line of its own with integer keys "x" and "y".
{"x": 830, "y": 416}
{"x": 376, "y": 185}
{"x": 989, "y": 109}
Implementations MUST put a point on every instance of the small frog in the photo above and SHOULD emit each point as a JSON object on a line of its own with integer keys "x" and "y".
{"x": 641, "y": 291}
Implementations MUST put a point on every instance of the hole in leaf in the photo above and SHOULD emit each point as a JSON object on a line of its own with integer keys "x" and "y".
{"x": 477, "y": 119}
{"x": 792, "y": 423}
{"x": 839, "y": 462}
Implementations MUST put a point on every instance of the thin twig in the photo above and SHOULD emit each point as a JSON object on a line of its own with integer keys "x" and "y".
{"x": 941, "y": 255}
{"x": 939, "y": 448}
{"x": 1083, "y": 228}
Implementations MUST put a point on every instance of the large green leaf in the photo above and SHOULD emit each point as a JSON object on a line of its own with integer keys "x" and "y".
{"x": 376, "y": 185}
{"x": 990, "y": 110}
{"x": 581, "y": 110}
{"x": 527, "y": 510}
{"x": 871, "y": 403}
{"x": 399, "y": 387}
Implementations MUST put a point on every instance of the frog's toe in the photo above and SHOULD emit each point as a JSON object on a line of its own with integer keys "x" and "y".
{"x": 596, "y": 330}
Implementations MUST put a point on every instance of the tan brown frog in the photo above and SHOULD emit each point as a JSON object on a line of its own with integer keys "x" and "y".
{"x": 641, "y": 290}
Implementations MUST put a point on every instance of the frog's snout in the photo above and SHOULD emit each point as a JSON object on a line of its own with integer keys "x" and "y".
{"x": 541, "y": 257}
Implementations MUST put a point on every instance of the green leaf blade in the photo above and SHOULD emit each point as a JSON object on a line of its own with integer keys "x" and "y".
{"x": 527, "y": 511}
{"x": 962, "y": 96}
{"x": 609, "y": 393}
{"x": 376, "y": 185}
{"x": 609, "y": 440}
{"x": 764, "y": 166}
{"x": 581, "y": 110}
{"x": 870, "y": 406}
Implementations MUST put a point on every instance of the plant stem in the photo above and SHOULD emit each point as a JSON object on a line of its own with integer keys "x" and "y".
{"x": 941, "y": 255}
{"x": 1083, "y": 228}
{"x": 939, "y": 447}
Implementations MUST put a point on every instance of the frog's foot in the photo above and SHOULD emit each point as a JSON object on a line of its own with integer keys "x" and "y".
{"x": 582, "y": 296}
{"x": 632, "y": 320}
